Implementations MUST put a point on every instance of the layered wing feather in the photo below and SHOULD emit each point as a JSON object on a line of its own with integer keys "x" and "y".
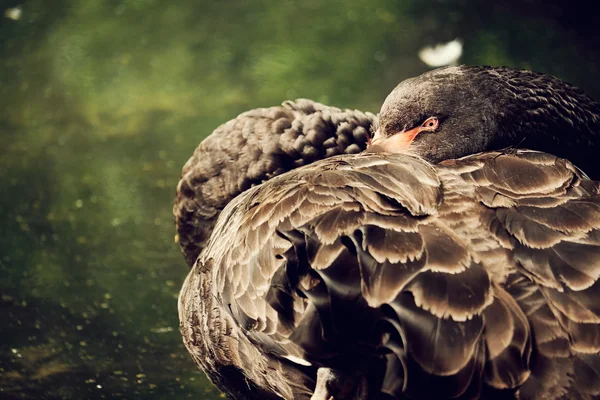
{"x": 477, "y": 276}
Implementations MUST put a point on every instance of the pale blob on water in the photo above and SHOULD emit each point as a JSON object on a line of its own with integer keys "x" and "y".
{"x": 442, "y": 54}
{"x": 14, "y": 13}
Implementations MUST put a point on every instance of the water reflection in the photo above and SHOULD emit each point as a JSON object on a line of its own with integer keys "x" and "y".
{"x": 102, "y": 103}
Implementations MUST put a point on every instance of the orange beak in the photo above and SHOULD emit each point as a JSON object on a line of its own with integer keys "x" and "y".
{"x": 397, "y": 143}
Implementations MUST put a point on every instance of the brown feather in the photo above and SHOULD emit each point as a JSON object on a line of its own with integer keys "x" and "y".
{"x": 473, "y": 276}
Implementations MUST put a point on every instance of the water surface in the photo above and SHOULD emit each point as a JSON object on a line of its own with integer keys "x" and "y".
{"x": 103, "y": 101}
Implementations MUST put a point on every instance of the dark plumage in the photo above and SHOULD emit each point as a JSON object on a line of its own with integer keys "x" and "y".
{"x": 251, "y": 149}
{"x": 484, "y": 108}
{"x": 378, "y": 275}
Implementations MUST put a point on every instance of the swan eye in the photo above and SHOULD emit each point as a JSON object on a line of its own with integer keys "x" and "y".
{"x": 430, "y": 124}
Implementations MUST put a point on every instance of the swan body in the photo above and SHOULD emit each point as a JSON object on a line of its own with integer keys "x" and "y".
{"x": 381, "y": 275}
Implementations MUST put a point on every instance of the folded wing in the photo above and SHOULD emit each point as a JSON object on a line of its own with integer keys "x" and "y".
{"x": 475, "y": 276}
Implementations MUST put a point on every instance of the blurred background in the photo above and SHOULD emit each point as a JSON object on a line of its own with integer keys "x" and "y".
{"x": 103, "y": 101}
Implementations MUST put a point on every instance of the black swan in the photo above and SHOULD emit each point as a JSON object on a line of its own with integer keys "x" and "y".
{"x": 458, "y": 257}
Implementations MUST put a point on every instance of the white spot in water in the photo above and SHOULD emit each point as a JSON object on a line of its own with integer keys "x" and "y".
{"x": 13, "y": 13}
{"x": 162, "y": 329}
{"x": 442, "y": 54}
{"x": 298, "y": 360}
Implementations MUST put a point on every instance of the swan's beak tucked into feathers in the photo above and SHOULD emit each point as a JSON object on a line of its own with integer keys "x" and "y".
{"x": 396, "y": 143}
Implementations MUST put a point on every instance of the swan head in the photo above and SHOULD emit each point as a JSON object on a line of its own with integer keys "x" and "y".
{"x": 456, "y": 111}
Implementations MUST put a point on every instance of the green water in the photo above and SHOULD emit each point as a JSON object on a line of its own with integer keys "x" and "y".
{"x": 101, "y": 103}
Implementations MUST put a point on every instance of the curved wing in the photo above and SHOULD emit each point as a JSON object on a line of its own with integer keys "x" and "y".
{"x": 475, "y": 276}
{"x": 256, "y": 146}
